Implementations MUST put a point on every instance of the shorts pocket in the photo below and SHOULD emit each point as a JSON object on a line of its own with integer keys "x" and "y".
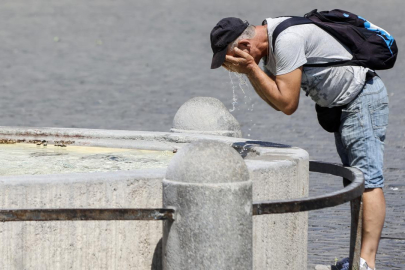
{"x": 379, "y": 112}
{"x": 352, "y": 110}
{"x": 351, "y": 128}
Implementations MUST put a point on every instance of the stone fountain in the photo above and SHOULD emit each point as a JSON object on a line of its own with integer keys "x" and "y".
{"x": 84, "y": 168}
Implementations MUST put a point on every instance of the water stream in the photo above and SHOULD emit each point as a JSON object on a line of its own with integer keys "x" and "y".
{"x": 247, "y": 102}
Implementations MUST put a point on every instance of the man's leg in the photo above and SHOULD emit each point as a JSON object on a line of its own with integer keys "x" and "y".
{"x": 373, "y": 222}
{"x": 360, "y": 144}
{"x": 373, "y": 214}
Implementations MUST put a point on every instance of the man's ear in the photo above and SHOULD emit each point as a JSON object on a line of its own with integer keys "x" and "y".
{"x": 244, "y": 45}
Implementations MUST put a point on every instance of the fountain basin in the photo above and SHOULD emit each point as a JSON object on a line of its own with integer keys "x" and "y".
{"x": 43, "y": 158}
{"x": 277, "y": 171}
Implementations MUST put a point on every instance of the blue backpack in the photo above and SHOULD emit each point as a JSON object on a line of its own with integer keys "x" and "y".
{"x": 371, "y": 46}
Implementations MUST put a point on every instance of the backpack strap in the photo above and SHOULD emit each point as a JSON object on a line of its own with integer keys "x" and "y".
{"x": 288, "y": 23}
{"x": 294, "y": 20}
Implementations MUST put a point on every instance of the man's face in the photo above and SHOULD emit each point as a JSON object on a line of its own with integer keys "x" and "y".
{"x": 242, "y": 46}
{"x": 247, "y": 47}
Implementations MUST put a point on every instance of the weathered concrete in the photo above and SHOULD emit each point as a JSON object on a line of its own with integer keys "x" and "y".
{"x": 279, "y": 240}
{"x": 277, "y": 172}
{"x": 208, "y": 185}
{"x": 206, "y": 115}
{"x": 82, "y": 244}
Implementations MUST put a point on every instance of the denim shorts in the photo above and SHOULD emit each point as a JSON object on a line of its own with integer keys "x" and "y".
{"x": 360, "y": 140}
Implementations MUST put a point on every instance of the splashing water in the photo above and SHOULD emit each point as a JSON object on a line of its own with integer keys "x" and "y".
{"x": 243, "y": 86}
{"x": 234, "y": 96}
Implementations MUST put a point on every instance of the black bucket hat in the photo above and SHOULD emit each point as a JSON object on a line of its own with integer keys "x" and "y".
{"x": 225, "y": 32}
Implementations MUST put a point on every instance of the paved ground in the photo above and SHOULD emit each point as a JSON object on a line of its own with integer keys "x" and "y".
{"x": 131, "y": 64}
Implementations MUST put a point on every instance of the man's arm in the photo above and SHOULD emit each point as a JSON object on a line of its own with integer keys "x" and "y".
{"x": 282, "y": 92}
{"x": 263, "y": 96}
{"x": 259, "y": 92}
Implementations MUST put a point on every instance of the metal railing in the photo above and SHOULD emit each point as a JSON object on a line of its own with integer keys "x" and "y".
{"x": 351, "y": 193}
{"x": 85, "y": 214}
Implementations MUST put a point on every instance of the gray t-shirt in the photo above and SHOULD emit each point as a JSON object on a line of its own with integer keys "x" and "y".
{"x": 301, "y": 44}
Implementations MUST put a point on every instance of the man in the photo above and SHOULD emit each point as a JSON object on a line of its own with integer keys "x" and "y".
{"x": 239, "y": 47}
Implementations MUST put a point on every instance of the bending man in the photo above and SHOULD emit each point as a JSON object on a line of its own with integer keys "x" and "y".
{"x": 239, "y": 47}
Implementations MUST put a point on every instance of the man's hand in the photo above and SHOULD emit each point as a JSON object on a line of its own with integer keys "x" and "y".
{"x": 243, "y": 63}
{"x": 281, "y": 92}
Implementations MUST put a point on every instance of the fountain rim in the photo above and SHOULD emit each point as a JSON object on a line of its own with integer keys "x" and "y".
{"x": 148, "y": 140}
{"x": 253, "y": 150}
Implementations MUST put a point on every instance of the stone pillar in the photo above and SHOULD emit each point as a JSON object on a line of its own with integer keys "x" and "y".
{"x": 208, "y": 185}
{"x": 206, "y": 115}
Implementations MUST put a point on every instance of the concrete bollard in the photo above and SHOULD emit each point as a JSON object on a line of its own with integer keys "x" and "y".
{"x": 208, "y": 185}
{"x": 206, "y": 115}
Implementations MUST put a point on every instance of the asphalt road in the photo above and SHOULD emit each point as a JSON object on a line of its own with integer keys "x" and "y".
{"x": 131, "y": 64}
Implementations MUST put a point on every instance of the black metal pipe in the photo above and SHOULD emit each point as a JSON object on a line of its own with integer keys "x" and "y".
{"x": 85, "y": 214}
{"x": 350, "y": 192}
